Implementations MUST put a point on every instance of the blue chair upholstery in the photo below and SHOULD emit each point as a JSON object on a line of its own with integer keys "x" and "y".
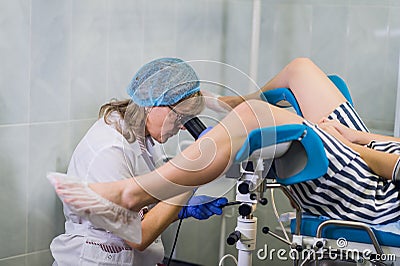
{"x": 341, "y": 85}
{"x": 285, "y": 94}
{"x": 309, "y": 225}
{"x": 317, "y": 163}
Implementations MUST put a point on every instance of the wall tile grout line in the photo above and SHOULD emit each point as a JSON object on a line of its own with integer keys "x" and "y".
{"x": 108, "y": 29}
{"x": 28, "y": 129}
{"x": 47, "y": 122}
{"x": 24, "y": 255}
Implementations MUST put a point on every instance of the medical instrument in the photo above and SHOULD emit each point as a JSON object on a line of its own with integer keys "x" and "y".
{"x": 194, "y": 126}
{"x": 192, "y": 123}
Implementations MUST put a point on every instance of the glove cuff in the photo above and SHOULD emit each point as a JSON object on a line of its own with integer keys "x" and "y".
{"x": 183, "y": 213}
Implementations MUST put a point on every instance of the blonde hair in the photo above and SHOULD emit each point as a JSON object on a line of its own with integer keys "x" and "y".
{"x": 135, "y": 116}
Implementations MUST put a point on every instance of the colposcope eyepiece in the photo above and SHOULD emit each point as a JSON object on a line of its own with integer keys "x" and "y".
{"x": 194, "y": 126}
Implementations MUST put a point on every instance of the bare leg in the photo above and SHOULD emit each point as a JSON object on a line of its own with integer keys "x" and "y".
{"x": 315, "y": 93}
{"x": 200, "y": 163}
{"x": 110, "y": 205}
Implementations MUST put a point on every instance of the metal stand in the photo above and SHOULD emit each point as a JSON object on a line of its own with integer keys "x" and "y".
{"x": 249, "y": 191}
{"x": 250, "y": 188}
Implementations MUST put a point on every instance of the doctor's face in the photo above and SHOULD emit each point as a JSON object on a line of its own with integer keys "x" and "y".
{"x": 163, "y": 123}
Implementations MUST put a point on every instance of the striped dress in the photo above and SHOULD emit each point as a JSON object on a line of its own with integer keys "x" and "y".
{"x": 350, "y": 190}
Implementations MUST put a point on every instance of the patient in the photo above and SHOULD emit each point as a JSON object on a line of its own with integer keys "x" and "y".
{"x": 359, "y": 184}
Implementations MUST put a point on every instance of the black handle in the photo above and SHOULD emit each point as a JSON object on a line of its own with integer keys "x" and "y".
{"x": 233, "y": 238}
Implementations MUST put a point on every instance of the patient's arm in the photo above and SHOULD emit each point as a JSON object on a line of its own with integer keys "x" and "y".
{"x": 367, "y": 137}
{"x": 379, "y": 162}
{"x": 356, "y": 136}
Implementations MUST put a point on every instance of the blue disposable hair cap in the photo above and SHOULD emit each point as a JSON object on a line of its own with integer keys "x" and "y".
{"x": 163, "y": 81}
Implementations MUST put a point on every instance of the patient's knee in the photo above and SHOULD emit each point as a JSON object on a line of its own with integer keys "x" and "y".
{"x": 254, "y": 110}
{"x": 263, "y": 114}
{"x": 300, "y": 63}
{"x": 251, "y": 106}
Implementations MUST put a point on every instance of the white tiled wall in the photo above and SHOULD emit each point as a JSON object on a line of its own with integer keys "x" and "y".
{"x": 60, "y": 60}
{"x": 359, "y": 40}
{"x": 15, "y": 61}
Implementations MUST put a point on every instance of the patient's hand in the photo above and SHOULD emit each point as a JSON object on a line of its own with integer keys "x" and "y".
{"x": 331, "y": 128}
{"x": 349, "y": 134}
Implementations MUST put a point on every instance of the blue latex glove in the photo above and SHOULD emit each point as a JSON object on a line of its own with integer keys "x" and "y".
{"x": 205, "y": 131}
{"x": 202, "y": 207}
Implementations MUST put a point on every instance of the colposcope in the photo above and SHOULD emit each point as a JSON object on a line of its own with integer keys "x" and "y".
{"x": 194, "y": 126}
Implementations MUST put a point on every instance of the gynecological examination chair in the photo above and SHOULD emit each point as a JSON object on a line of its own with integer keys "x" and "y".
{"x": 277, "y": 157}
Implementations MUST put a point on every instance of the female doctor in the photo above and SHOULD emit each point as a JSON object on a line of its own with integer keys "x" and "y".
{"x": 120, "y": 146}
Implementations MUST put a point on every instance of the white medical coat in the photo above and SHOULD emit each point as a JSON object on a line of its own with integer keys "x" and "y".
{"x": 103, "y": 155}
